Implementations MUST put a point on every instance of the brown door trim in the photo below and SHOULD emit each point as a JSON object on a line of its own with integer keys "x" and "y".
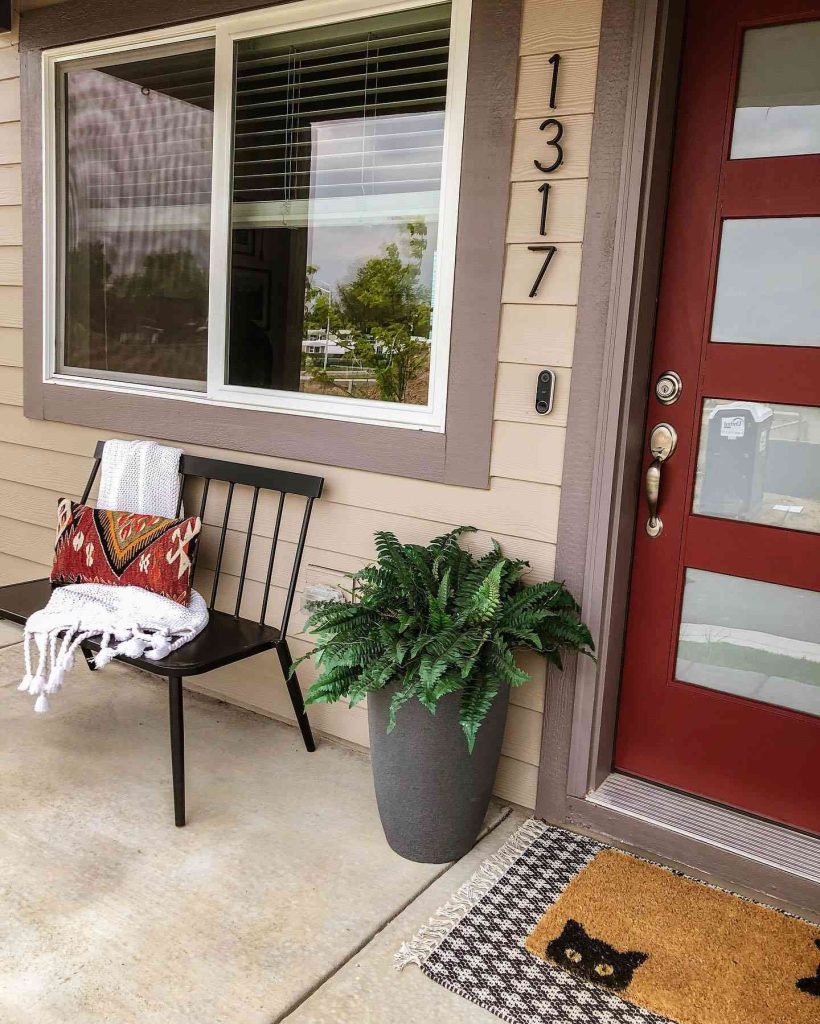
{"x": 629, "y": 173}
{"x": 636, "y": 93}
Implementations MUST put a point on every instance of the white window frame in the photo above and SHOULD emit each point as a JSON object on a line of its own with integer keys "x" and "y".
{"x": 225, "y": 31}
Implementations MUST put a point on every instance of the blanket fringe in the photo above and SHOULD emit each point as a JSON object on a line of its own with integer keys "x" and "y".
{"x": 427, "y": 940}
{"x": 56, "y": 648}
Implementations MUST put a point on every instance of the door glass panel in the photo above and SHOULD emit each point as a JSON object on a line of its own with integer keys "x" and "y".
{"x": 751, "y": 639}
{"x": 768, "y": 283}
{"x": 759, "y": 463}
{"x": 778, "y": 98}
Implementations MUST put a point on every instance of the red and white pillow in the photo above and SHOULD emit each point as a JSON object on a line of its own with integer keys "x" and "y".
{"x": 125, "y": 549}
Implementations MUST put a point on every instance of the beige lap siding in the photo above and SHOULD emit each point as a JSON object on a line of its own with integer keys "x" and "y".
{"x": 40, "y": 461}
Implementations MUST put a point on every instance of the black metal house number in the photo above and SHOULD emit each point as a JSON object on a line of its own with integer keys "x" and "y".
{"x": 555, "y": 60}
{"x": 555, "y": 142}
{"x": 545, "y": 197}
{"x": 544, "y": 189}
{"x": 550, "y": 250}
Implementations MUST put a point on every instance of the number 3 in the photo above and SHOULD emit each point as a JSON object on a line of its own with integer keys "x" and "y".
{"x": 554, "y": 141}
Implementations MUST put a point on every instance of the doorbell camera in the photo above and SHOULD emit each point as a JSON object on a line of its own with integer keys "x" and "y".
{"x": 544, "y": 392}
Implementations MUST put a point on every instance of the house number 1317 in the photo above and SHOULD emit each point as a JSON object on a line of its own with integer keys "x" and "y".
{"x": 554, "y": 143}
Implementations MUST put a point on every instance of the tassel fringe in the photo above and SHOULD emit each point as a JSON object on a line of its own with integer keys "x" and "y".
{"x": 121, "y": 621}
{"x": 56, "y": 655}
{"x": 427, "y": 940}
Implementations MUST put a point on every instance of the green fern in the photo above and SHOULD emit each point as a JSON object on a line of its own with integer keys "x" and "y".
{"x": 436, "y": 620}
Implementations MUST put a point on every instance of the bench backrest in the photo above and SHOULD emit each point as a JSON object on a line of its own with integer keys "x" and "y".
{"x": 259, "y": 478}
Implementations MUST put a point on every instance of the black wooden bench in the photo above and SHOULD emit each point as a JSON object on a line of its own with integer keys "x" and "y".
{"x": 228, "y": 637}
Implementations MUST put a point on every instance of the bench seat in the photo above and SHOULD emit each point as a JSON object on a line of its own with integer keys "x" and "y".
{"x": 224, "y": 640}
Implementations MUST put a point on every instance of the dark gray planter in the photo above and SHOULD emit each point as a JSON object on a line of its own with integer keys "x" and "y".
{"x": 432, "y": 794}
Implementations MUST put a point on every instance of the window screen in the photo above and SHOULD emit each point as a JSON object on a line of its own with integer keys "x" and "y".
{"x": 135, "y": 174}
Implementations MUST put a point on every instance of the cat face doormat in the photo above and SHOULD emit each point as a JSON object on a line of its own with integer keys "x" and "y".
{"x": 556, "y": 927}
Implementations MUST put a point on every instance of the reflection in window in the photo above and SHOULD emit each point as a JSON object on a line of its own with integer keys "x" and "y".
{"x": 778, "y": 100}
{"x": 751, "y": 639}
{"x": 336, "y": 187}
{"x": 760, "y": 463}
{"x": 136, "y": 217}
{"x": 768, "y": 283}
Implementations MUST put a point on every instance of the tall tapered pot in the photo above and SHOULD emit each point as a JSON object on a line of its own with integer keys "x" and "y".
{"x": 432, "y": 793}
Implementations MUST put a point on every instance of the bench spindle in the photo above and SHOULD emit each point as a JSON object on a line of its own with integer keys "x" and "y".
{"x": 297, "y": 561}
{"x": 202, "y": 503}
{"x": 179, "y": 500}
{"x": 274, "y": 542}
{"x": 221, "y": 551}
{"x": 246, "y": 553}
{"x": 91, "y": 480}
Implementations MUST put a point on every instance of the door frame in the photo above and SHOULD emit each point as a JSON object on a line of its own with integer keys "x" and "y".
{"x": 632, "y": 138}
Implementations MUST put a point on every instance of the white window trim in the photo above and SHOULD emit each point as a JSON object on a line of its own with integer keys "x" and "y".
{"x": 225, "y": 30}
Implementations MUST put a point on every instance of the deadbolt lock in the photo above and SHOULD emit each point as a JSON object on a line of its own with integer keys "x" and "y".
{"x": 668, "y": 388}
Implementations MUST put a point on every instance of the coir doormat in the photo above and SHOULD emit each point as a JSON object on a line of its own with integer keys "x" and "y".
{"x": 556, "y": 927}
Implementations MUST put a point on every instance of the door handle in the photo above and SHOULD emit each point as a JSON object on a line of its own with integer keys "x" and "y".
{"x": 662, "y": 442}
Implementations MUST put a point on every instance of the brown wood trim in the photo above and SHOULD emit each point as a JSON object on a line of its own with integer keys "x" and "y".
{"x": 630, "y": 334}
{"x": 460, "y": 455}
{"x": 609, "y": 364}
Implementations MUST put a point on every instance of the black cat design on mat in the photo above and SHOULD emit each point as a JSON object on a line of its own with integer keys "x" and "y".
{"x": 594, "y": 959}
{"x": 811, "y": 986}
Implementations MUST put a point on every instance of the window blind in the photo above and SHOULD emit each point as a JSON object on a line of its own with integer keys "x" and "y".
{"x": 349, "y": 110}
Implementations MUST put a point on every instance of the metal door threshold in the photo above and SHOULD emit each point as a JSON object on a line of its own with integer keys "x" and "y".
{"x": 775, "y": 845}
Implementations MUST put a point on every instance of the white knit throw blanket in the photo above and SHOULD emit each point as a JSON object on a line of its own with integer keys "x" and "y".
{"x": 140, "y": 476}
{"x": 127, "y": 620}
{"x": 136, "y": 476}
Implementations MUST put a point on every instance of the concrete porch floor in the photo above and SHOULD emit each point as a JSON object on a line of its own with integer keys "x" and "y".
{"x": 280, "y": 901}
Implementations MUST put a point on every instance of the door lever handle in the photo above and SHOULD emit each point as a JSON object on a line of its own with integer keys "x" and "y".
{"x": 653, "y": 489}
{"x": 662, "y": 442}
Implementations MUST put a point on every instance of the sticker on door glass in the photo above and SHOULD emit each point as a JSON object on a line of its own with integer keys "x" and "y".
{"x": 732, "y": 427}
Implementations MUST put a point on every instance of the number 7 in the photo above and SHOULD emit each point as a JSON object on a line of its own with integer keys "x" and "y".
{"x": 550, "y": 250}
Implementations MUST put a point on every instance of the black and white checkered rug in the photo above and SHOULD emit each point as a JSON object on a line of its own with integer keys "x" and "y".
{"x": 475, "y": 944}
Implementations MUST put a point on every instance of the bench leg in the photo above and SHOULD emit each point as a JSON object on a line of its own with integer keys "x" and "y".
{"x": 177, "y": 748}
{"x": 295, "y": 692}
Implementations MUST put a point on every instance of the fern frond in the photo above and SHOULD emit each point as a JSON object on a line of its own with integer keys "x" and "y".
{"x": 476, "y": 701}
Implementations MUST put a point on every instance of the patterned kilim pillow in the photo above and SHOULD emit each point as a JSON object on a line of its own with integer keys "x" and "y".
{"x": 125, "y": 549}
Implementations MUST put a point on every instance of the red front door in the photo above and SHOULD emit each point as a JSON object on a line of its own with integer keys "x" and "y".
{"x": 721, "y": 684}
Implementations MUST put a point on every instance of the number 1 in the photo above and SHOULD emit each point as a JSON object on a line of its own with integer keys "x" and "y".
{"x": 545, "y": 190}
{"x": 555, "y": 60}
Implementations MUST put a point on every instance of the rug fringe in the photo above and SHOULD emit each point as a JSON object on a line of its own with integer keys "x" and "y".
{"x": 427, "y": 940}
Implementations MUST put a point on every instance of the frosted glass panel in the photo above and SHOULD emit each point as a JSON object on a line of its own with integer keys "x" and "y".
{"x": 778, "y": 102}
{"x": 760, "y": 463}
{"x": 768, "y": 284}
{"x": 751, "y": 639}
